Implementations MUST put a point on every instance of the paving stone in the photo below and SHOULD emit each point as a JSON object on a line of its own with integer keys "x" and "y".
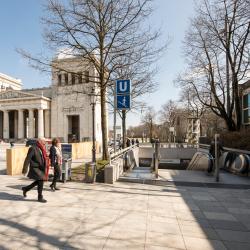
{"x": 199, "y": 232}
{"x": 242, "y": 211}
{"x": 112, "y": 244}
{"x": 154, "y": 247}
{"x": 128, "y": 235}
{"x": 237, "y": 236}
{"x": 165, "y": 240}
{"x": 85, "y": 242}
{"x": 236, "y": 245}
{"x": 219, "y": 216}
{"x": 169, "y": 228}
{"x": 197, "y": 222}
{"x": 96, "y": 229}
{"x": 204, "y": 244}
{"x": 215, "y": 209}
{"x": 230, "y": 225}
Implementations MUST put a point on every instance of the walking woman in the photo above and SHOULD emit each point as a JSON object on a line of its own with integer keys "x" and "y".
{"x": 56, "y": 161}
{"x": 36, "y": 160}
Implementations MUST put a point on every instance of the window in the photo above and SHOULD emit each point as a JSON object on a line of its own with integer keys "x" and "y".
{"x": 66, "y": 79}
{"x": 246, "y": 109}
{"x": 59, "y": 79}
{"x": 86, "y": 74}
{"x": 79, "y": 76}
{"x": 73, "y": 79}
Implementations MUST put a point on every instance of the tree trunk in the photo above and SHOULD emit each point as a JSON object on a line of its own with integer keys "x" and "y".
{"x": 124, "y": 128}
{"x": 104, "y": 125}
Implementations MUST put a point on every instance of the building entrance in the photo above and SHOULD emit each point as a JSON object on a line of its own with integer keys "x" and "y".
{"x": 74, "y": 128}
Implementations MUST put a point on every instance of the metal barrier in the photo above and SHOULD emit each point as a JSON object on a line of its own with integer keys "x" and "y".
{"x": 66, "y": 170}
{"x": 90, "y": 172}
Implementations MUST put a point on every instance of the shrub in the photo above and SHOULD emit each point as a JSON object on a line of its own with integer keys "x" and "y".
{"x": 239, "y": 140}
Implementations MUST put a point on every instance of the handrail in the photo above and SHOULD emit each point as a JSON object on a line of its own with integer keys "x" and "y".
{"x": 120, "y": 153}
{"x": 228, "y": 149}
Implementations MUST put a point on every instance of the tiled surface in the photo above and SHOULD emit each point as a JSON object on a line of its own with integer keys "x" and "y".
{"x": 123, "y": 216}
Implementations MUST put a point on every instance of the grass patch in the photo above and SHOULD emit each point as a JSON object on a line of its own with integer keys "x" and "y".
{"x": 78, "y": 173}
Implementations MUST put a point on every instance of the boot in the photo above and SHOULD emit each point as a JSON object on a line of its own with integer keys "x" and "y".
{"x": 55, "y": 188}
{"x": 24, "y": 192}
{"x": 52, "y": 187}
{"x": 41, "y": 199}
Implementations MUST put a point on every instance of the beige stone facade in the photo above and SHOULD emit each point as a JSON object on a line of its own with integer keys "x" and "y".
{"x": 8, "y": 82}
{"x": 62, "y": 110}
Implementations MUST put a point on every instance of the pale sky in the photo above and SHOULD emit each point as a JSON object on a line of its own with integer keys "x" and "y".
{"x": 20, "y": 27}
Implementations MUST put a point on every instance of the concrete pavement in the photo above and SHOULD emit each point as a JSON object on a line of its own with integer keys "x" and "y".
{"x": 123, "y": 216}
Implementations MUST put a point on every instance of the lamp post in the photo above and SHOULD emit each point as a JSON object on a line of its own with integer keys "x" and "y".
{"x": 93, "y": 102}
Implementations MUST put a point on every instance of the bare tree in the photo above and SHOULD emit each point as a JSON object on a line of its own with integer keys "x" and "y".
{"x": 108, "y": 34}
{"x": 149, "y": 119}
{"x": 217, "y": 51}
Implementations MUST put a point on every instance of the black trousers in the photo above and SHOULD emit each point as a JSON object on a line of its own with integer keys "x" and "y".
{"x": 57, "y": 174}
{"x": 39, "y": 184}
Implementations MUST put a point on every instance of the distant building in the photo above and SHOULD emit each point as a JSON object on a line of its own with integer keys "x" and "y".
{"x": 8, "y": 82}
{"x": 118, "y": 130}
{"x": 193, "y": 130}
{"x": 62, "y": 110}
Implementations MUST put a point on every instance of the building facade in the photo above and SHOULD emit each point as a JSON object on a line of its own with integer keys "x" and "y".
{"x": 62, "y": 110}
{"x": 246, "y": 104}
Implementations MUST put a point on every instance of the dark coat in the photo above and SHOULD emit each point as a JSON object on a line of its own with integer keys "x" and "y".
{"x": 37, "y": 164}
{"x": 53, "y": 156}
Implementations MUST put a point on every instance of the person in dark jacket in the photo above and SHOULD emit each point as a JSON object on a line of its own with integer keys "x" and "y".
{"x": 36, "y": 160}
{"x": 56, "y": 162}
{"x": 128, "y": 143}
{"x": 133, "y": 141}
{"x": 212, "y": 148}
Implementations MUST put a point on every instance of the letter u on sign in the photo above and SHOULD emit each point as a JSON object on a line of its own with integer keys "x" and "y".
{"x": 122, "y": 86}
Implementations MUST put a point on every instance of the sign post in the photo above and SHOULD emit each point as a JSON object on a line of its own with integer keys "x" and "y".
{"x": 216, "y": 160}
{"x": 123, "y": 94}
{"x": 122, "y": 100}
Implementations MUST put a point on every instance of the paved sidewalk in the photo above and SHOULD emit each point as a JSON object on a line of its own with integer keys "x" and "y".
{"x": 123, "y": 216}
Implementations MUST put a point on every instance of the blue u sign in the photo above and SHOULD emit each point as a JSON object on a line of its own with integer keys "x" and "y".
{"x": 122, "y": 87}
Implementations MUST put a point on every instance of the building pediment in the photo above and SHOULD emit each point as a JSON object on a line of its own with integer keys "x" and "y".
{"x": 12, "y": 94}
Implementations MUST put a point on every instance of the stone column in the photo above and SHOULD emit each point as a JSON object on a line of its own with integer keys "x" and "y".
{"x": 47, "y": 122}
{"x": 6, "y": 127}
{"x": 20, "y": 124}
{"x": 40, "y": 123}
{"x": 31, "y": 124}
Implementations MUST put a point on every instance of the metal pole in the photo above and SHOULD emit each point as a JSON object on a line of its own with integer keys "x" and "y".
{"x": 93, "y": 125}
{"x": 217, "y": 170}
{"x": 114, "y": 119}
{"x": 156, "y": 157}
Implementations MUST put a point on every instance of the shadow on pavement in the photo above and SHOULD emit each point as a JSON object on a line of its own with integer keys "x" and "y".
{"x": 13, "y": 197}
{"x": 41, "y": 237}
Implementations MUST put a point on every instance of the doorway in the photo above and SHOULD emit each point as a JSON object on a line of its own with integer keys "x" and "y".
{"x": 74, "y": 128}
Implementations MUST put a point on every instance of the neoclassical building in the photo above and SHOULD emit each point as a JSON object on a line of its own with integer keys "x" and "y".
{"x": 62, "y": 110}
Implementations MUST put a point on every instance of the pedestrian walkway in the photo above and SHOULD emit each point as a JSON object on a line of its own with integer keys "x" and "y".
{"x": 123, "y": 216}
{"x": 185, "y": 178}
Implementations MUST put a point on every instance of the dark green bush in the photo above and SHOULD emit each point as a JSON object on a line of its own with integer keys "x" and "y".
{"x": 239, "y": 140}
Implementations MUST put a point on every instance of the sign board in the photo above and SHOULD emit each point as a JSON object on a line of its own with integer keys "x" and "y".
{"x": 123, "y": 87}
{"x": 123, "y": 101}
{"x": 66, "y": 151}
{"x": 122, "y": 97}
